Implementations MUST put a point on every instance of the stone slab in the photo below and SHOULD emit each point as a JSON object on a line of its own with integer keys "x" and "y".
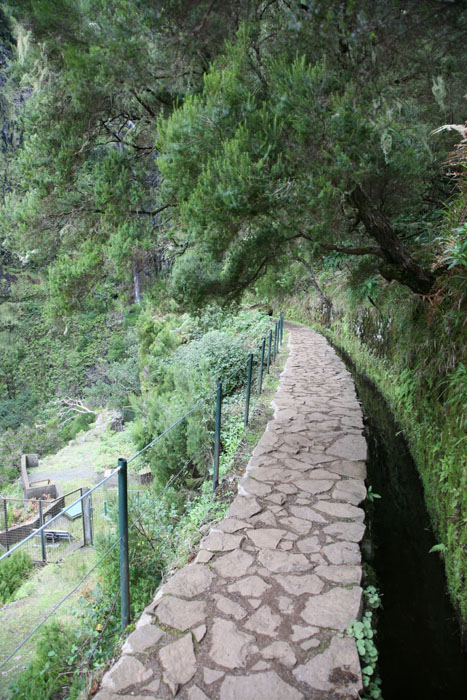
{"x": 243, "y": 508}
{"x": 233, "y": 565}
{"x": 266, "y": 685}
{"x": 180, "y": 614}
{"x": 264, "y": 621}
{"x": 230, "y": 647}
{"x": 189, "y": 581}
{"x": 343, "y": 553}
{"x": 232, "y": 525}
{"x": 127, "y": 671}
{"x": 315, "y": 485}
{"x": 349, "y": 447}
{"x": 349, "y": 531}
{"x": 281, "y": 652}
{"x": 178, "y": 662}
{"x": 340, "y": 510}
{"x": 283, "y": 562}
{"x": 344, "y": 575}
{"x": 229, "y": 607}
{"x": 266, "y": 538}
{"x": 334, "y": 609}
{"x": 299, "y": 585}
{"x": 141, "y": 639}
{"x": 219, "y": 541}
{"x": 251, "y": 586}
{"x": 337, "y": 668}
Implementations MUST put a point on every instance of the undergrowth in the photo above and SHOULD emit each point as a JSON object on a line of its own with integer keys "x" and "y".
{"x": 13, "y": 572}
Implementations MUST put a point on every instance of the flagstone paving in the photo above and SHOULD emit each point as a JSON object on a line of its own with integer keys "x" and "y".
{"x": 259, "y": 614}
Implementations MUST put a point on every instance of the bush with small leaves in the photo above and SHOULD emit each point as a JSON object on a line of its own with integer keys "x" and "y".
{"x": 13, "y": 572}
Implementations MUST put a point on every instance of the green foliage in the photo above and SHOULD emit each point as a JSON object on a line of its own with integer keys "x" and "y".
{"x": 13, "y": 570}
{"x": 91, "y": 356}
{"x": 79, "y": 424}
{"x": 15, "y": 411}
{"x": 181, "y": 364}
{"x": 82, "y": 191}
{"x": 270, "y": 155}
{"x": 42, "y": 438}
{"x": 52, "y": 669}
{"x": 363, "y": 631}
{"x": 371, "y": 495}
{"x": 113, "y": 382}
{"x": 372, "y": 597}
{"x": 152, "y": 522}
{"x": 454, "y": 252}
{"x": 430, "y": 409}
{"x": 438, "y": 548}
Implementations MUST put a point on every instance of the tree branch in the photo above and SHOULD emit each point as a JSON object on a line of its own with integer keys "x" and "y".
{"x": 330, "y": 247}
{"x": 399, "y": 264}
{"x": 143, "y": 103}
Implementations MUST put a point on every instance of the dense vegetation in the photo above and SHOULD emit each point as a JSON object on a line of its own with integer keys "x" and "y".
{"x": 158, "y": 158}
{"x": 13, "y": 571}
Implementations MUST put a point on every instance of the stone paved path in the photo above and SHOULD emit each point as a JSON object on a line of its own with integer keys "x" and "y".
{"x": 257, "y": 615}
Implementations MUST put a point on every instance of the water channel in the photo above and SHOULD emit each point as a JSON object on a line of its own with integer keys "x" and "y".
{"x": 420, "y": 649}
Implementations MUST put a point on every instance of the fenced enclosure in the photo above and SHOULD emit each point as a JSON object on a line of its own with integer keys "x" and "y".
{"x": 67, "y": 528}
{"x": 71, "y": 528}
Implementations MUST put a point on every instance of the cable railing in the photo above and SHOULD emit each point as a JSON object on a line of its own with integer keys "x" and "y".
{"x": 90, "y": 511}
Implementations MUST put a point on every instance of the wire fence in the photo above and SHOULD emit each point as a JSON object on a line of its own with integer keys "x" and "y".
{"x": 23, "y": 517}
{"x": 66, "y": 528}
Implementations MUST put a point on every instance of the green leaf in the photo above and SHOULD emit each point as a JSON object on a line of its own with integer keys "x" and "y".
{"x": 438, "y": 548}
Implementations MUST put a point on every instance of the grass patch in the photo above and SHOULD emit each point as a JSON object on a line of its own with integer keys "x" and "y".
{"x": 33, "y": 601}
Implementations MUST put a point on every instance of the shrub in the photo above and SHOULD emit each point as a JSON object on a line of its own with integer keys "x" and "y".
{"x": 13, "y": 412}
{"x": 177, "y": 374}
{"x": 13, "y": 571}
{"x": 51, "y": 672}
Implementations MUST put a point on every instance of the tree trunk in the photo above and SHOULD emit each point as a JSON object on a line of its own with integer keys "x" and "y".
{"x": 136, "y": 286}
{"x": 399, "y": 264}
{"x": 326, "y": 302}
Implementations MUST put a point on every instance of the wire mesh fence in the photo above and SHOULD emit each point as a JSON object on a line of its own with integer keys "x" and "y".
{"x": 21, "y": 518}
{"x": 64, "y": 531}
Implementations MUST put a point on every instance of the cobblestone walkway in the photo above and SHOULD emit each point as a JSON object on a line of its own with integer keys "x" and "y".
{"x": 257, "y": 615}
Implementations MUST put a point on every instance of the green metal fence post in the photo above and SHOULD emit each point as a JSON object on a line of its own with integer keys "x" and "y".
{"x": 282, "y": 326}
{"x": 269, "y": 351}
{"x": 5, "y": 512}
{"x": 248, "y": 388}
{"x": 274, "y": 353}
{"x": 261, "y": 366}
{"x": 123, "y": 531}
{"x": 217, "y": 438}
{"x": 87, "y": 518}
{"x": 82, "y": 517}
{"x": 41, "y": 522}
